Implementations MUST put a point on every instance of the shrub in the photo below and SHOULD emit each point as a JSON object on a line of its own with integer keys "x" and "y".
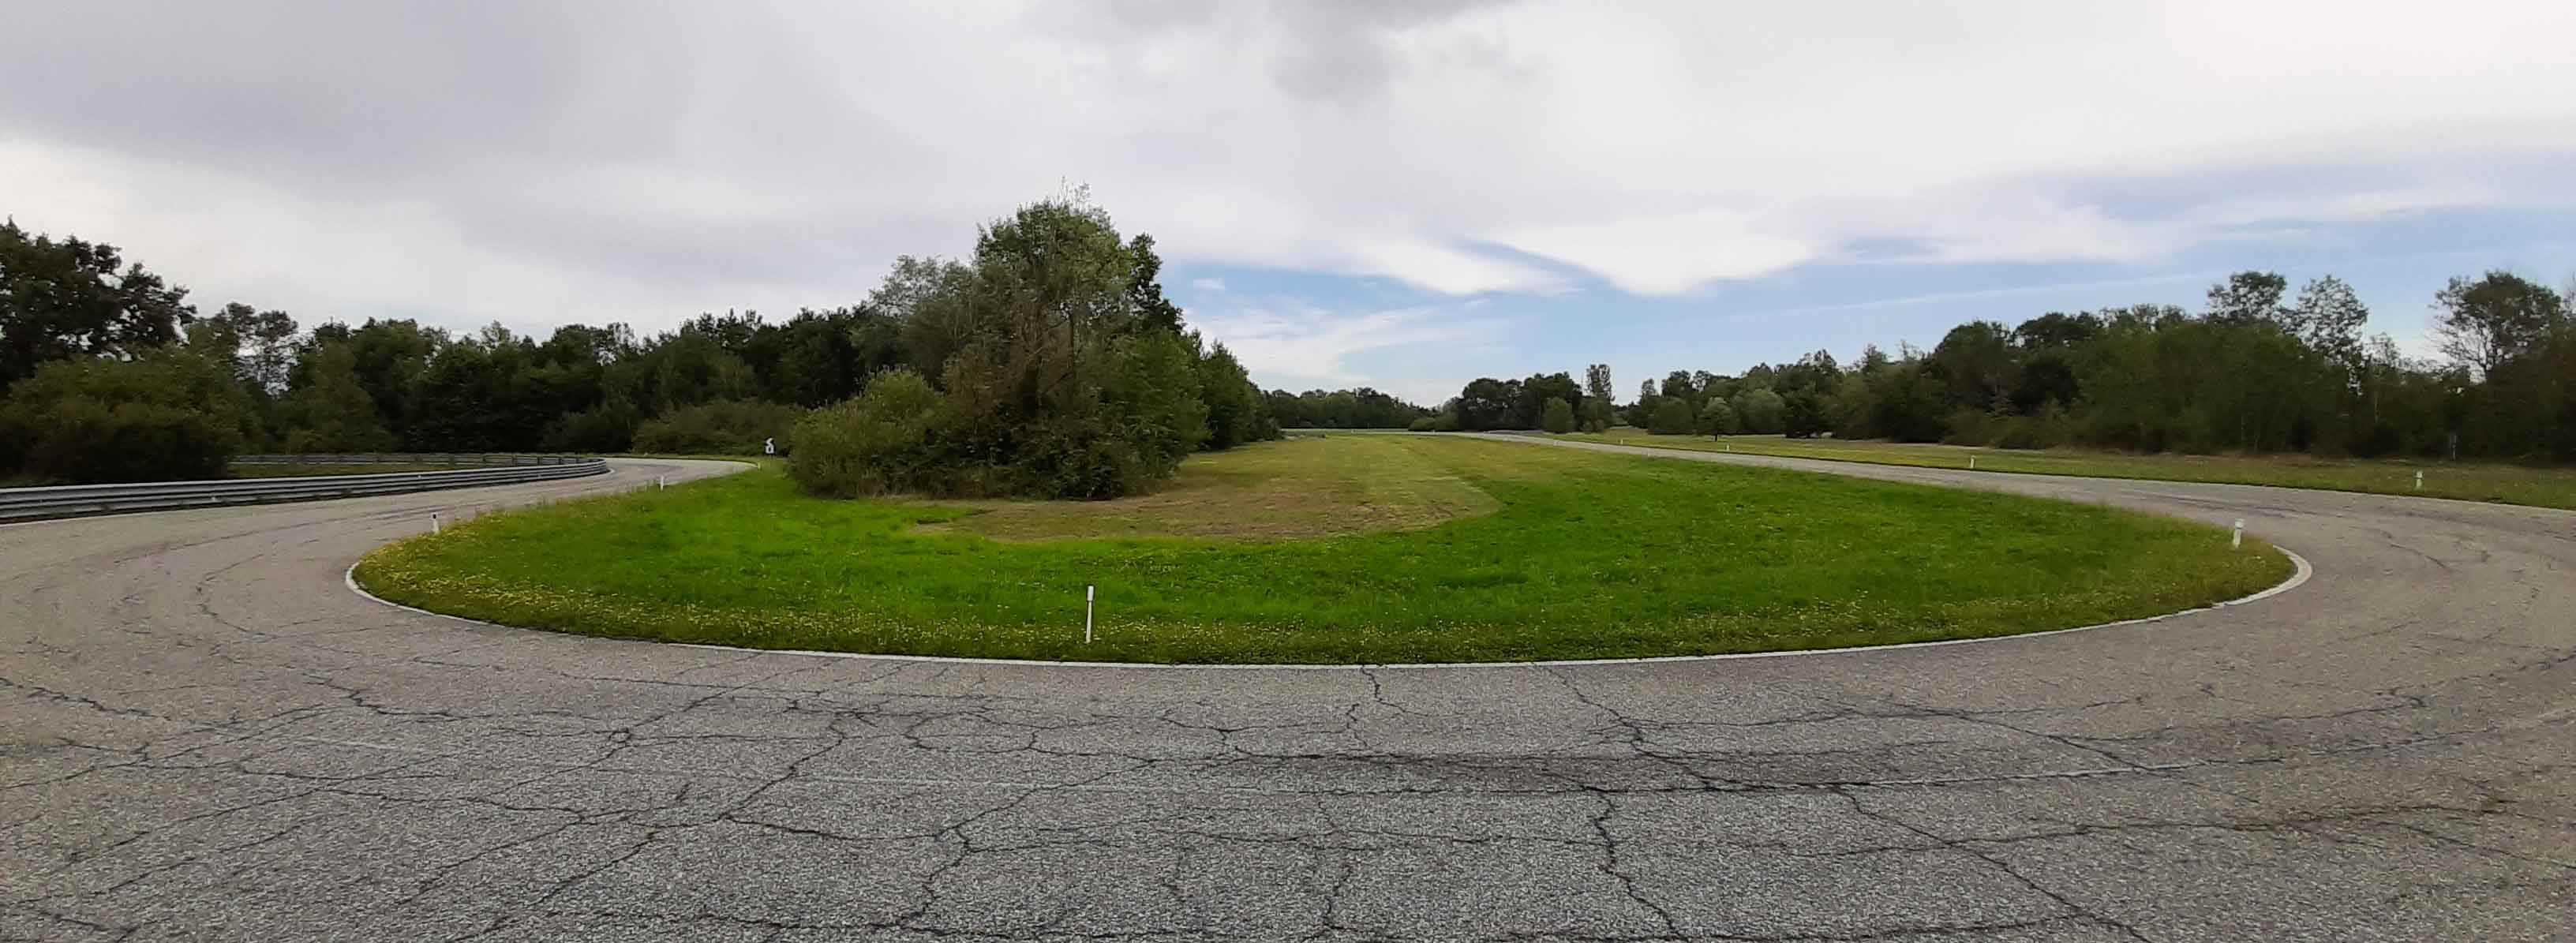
{"x": 1672, "y": 416}
{"x": 1425, "y": 424}
{"x": 608, "y": 428}
{"x": 1556, "y": 416}
{"x": 874, "y": 443}
{"x": 724, "y": 427}
{"x": 169, "y": 414}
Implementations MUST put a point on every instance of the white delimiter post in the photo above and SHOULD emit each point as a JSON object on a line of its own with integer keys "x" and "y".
{"x": 2419, "y": 481}
{"x": 2238, "y": 541}
{"x": 1087, "y": 592}
{"x": 433, "y": 522}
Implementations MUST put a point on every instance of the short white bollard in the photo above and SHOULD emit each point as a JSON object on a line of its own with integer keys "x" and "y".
{"x": 1972, "y": 463}
{"x": 2238, "y": 541}
{"x": 1087, "y": 592}
{"x": 433, "y": 522}
{"x": 660, "y": 482}
{"x": 2419, "y": 481}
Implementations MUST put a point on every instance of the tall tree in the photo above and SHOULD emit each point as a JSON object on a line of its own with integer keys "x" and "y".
{"x": 68, "y": 299}
{"x": 1598, "y": 395}
{"x": 2248, "y": 296}
{"x": 332, "y": 413}
{"x": 2485, "y": 322}
{"x": 1145, "y": 291}
{"x": 2328, "y": 317}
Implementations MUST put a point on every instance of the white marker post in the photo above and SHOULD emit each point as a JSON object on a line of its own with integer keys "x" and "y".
{"x": 2419, "y": 481}
{"x": 1087, "y": 592}
{"x": 2238, "y": 541}
{"x": 1972, "y": 463}
{"x": 660, "y": 482}
{"x": 433, "y": 522}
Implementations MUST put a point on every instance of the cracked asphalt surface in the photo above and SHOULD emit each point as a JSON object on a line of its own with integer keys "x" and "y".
{"x": 207, "y": 736}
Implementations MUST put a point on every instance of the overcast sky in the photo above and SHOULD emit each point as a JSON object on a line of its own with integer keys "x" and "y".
{"x": 1401, "y": 195}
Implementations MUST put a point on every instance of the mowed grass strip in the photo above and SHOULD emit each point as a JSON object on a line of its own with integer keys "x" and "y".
{"x": 2536, "y": 486}
{"x": 1582, "y": 555}
{"x": 1300, "y": 488}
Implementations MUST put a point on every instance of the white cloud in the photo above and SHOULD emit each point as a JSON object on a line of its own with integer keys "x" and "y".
{"x": 1213, "y": 286}
{"x": 773, "y": 154}
{"x": 1291, "y": 344}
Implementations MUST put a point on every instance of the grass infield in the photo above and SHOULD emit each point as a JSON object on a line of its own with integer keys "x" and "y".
{"x": 2469, "y": 481}
{"x": 1347, "y": 549}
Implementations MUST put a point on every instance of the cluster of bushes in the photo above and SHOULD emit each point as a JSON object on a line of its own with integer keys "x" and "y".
{"x": 1060, "y": 372}
{"x": 724, "y": 427}
{"x": 169, "y": 413}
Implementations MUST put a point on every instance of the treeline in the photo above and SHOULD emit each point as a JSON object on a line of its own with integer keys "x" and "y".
{"x": 1363, "y": 408}
{"x": 2256, "y": 371}
{"x": 1051, "y": 361}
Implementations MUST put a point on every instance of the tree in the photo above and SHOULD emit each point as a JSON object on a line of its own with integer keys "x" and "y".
{"x": 2328, "y": 317}
{"x": 2248, "y": 296}
{"x": 1596, "y": 382}
{"x": 1672, "y": 416}
{"x": 332, "y": 413}
{"x": 1758, "y": 410}
{"x": 1487, "y": 403}
{"x": 265, "y": 341}
{"x": 2484, "y": 323}
{"x": 67, "y": 300}
{"x": 1718, "y": 419}
{"x": 1977, "y": 363}
{"x": 1557, "y": 416}
{"x": 1530, "y": 410}
{"x": 1145, "y": 293}
{"x": 1234, "y": 405}
{"x": 1597, "y": 398}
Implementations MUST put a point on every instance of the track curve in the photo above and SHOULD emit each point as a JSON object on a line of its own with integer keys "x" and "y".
{"x": 208, "y": 737}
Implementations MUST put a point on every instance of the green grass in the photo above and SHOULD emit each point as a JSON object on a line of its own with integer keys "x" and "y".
{"x": 1266, "y": 491}
{"x": 1583, "y": 555}
{"x": 2505, "y": 484}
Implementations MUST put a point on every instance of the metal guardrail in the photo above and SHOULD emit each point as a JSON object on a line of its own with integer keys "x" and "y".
{"x": 23, "y": 504}
{"x": 408, "y": 458}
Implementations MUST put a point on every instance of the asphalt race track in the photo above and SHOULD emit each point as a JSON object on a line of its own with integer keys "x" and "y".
{"x": 204, "y": 734}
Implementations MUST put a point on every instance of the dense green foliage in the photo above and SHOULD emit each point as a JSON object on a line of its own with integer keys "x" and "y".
{"x": 1049, "y": 365}
{"x": 1363, "y": 408}
{"x": 1045, "y": 324}
{"x": 2253, "y": 372}
{"x": 1642, "y": 557}
{"x": 723, "y": 427}
{"x": 169, "y": 413}
{"x": 1557, "y": 416}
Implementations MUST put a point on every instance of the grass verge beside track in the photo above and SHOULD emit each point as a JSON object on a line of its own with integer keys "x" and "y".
{"x": 2497, "y": 483}
{"x": 1578, "y": 555}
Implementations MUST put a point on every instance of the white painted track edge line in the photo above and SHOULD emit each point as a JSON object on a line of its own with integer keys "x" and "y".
{"x": 2299, "y": 575}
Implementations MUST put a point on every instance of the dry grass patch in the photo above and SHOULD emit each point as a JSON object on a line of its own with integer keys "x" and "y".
{"x": 1301, "y": 488}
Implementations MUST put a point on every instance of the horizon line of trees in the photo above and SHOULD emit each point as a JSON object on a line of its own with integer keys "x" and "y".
{"x": 109, "y": 373}
{"x": 2256, "y": 370}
